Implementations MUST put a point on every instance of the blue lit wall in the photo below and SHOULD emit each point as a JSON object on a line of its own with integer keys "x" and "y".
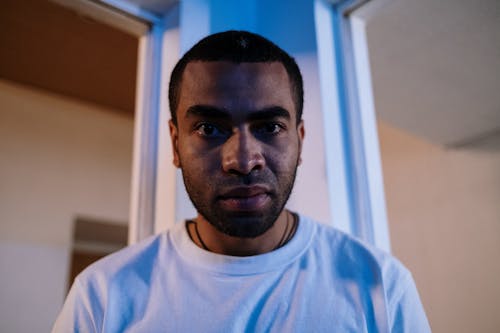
{"x": 290, "y": 24}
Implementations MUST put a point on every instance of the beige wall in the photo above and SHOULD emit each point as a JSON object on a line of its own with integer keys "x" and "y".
{"x": 60, "y": 158}
{"x": 444, "y": 216}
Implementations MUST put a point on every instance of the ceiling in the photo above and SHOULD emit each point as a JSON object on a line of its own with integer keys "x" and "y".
{"x": 436, "y": 68}
{"x": 158, "y": 7}
{"x": 56, "y": 49}
{"x": 435, "y": 64}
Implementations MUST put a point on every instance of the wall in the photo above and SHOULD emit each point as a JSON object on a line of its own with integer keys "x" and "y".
{"x": 310, "y": 193}
{"x": 444, "y": 216}
{"x": 60, "y": 158}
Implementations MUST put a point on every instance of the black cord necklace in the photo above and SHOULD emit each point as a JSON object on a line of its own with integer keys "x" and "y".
{"x": 199, "y": 236}
{"x": 285, "y": 238}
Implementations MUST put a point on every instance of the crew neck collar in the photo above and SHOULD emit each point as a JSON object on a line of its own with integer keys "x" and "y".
{"x": 233, "y": 265}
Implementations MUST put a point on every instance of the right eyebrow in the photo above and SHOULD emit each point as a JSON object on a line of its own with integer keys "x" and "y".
{"x": 207, "y": 111}
{"x": 269, "y": 113}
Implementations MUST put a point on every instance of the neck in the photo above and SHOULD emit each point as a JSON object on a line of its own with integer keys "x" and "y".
{"x": 207, "y": 236}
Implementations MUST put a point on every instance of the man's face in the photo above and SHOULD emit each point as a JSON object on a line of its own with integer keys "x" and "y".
{"x": 237, "y": 142}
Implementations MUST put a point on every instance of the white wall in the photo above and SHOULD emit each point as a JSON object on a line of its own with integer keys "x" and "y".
{"x": 444, "y": 216}
{"x": 310, "y": 193}
{"x": 60, "y": 158}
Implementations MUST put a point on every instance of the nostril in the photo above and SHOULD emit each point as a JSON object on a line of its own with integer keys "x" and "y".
{"x": 241, "y": 153}
{"x": 243, "y": 168}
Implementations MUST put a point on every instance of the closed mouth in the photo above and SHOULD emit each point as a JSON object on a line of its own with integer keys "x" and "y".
{"x": 244, "y": 192}
{"x": 245, "y": 198}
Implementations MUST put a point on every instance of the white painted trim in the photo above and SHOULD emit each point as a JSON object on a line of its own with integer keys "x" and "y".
{"x": 339, "y": 202}
{"x": 368, "y": 124}
{"x": 133, "y": 10}
{"x": 371, "y": 9}
{"x": 361, "y": 223}
{"x": 351, "y": 138}
{"x": 105, "y": 14}
{"x": 166, "y": 191}
{"x": 143, "y": 189}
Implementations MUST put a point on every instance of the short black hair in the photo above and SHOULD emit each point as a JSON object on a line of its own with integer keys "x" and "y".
{"x": 237, "y": 47}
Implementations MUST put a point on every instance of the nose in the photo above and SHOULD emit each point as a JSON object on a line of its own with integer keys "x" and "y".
{"x": 242, "y": 153}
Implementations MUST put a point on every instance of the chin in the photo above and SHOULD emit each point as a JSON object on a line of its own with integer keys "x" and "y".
{"x": 244, "y": 225}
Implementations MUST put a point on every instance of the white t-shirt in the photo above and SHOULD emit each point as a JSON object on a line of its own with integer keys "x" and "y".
{"x": 322, "y": 280}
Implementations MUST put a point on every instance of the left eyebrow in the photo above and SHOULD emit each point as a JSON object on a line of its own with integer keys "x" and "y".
{"x": 207, "y": 111}
{"x": 269, "y": 113}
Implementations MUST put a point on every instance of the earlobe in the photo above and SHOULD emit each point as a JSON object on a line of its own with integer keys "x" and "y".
{"x": 174, "y": 138}
{"x": 300, "y": 133}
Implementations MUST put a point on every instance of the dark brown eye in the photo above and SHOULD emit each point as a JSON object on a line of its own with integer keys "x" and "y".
{"x": 269, "y": 129}
{"x": 208, "y": 130}
{"x": 273, "y": 128}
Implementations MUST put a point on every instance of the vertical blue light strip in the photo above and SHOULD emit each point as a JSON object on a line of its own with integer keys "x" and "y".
{"x": 358, "y": 163}
{"x": 361, "y": 204}
{"x": 344, "y": 118}
{"x": 334, "y": 128}
{"x": 149, "y": 133}
{"x": 365, "y": 131}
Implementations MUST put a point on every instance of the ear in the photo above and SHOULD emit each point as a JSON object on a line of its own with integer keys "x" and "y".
{"x": 301, "y": 132}
{"x": 174, "y": 139}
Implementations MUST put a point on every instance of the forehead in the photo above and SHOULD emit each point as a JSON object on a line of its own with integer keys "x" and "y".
{"x": 235, "y": 86}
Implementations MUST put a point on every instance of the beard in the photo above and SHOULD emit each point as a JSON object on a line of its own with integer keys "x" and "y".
{"x": 203, "y": 195}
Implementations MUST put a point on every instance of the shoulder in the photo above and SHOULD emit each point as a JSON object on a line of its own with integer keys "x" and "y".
{"x": 377, "y": 276}
{"x": 137, "y": 259}
{"x": 107, "y": 287}
{"x": 358, "y": 260}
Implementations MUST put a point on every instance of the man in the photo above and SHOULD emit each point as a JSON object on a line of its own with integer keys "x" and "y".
{"x": 244, "y": 264}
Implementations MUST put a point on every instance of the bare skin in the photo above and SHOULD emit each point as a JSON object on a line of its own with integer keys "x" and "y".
{"x": 238, "y": 143}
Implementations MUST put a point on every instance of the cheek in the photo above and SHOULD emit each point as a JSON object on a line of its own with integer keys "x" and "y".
{"x": 283, "y": 162}
{"x": 284, "y": 152}
{"x": 199, "y": 161}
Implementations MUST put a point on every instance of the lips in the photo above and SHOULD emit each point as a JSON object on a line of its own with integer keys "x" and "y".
{"x": 247, "y": 198}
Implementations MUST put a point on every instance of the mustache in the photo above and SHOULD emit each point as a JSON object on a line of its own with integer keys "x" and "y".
{"x": 253, "y": 178}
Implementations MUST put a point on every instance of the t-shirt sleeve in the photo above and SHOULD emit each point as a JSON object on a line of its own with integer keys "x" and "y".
{"x": 409, "y": 314}
{"x": 76, "y": 315}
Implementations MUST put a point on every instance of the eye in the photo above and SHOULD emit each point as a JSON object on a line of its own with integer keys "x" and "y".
{"x": 208, "y": 130}
{"x": 269, "y": 128}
